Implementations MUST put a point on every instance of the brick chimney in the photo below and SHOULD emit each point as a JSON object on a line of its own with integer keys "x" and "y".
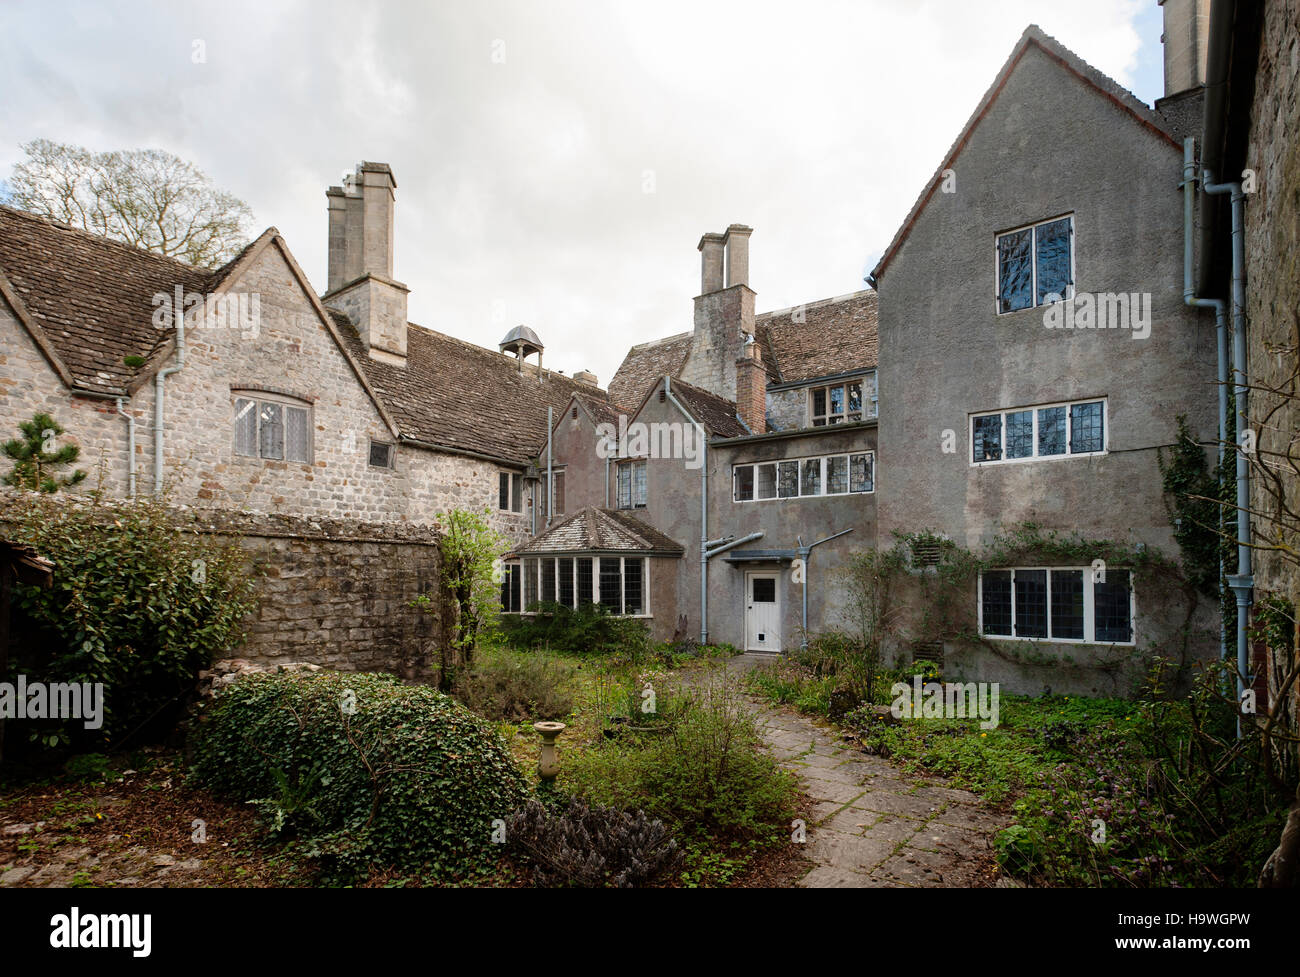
{"x": 751, "y": 389}
{"x": 724, "y": 312}
{"x": 361, "y": 283}
{"x": 1185, "y": 38}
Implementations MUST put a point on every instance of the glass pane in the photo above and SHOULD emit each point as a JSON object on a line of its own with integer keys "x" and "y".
{"x": 810, "y": 476}
{"x": 516, "y": 587}
{"x": 764, "y": 590}
{"x": 566, "y": 580}
{"x": 855, "y": 401}
{"x": 632, "y": 586}
{"x": 837, "y": 400}
{"x": 531, "y": 582}
{"x": 503, "y": 491}
{"x": 996, "y": 601}
{"x": 516, "y": 493}
{"x": 861, "y": 476}
{"x": 584, "y": 580}
{"x": 624, "y": 473}
{"x": 837, "y": 475}
{"x": 246, "y": 427}
{"x": 639, "y": 485}
{"x": 1020, "y": 434}
{"x": 611, "y": 584}
{"x": 767, "y": 481}
{"x": 1051, "y": 431}
{"x": 1067, "y": 604}
{"x": 379, "y": 457}
{"x": 1031, "y": 603}
{"x": 557, "y": 479}
{"x": 548, "y": 579}
{"x": 1052, "y": 242}
{"x": 788, "y": 479}
{"x": 1112, "y": 607}
{"x": 1086, "y": 432}
{"x": 1015, "y": 276}
{"x": 297, "y": 436}
{"x": 986, "y": 444}
{"x": 743, "y": 483}
{"x": 871, "y": 395}
{"x": 819, "y": 401}
{"x": 270, "y": 431}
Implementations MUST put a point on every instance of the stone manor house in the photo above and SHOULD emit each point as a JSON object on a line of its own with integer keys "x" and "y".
{"x": 719, "y": 483}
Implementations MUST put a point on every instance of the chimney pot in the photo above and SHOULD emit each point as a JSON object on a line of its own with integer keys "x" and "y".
{"x": 711, "y": 248}
{"x": 737, "y": 243}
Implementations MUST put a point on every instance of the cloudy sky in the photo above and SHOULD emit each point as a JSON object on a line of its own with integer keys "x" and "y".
{"x": 556, "y": 162}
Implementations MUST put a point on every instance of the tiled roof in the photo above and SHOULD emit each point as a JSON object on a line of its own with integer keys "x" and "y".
{"x": 90, "y": 296}
{"x": 1054, "y": 49}
{"x": 594, "y": 529}
{"x": 717, "y": 414}
{"x": 836, "y": 336}
{"x": 456, "y": 395}
{"x": 598, "y": 405}
{"x": 644, "y": 364}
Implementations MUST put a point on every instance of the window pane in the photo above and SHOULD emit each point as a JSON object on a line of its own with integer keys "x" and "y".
{"x": 1112, "y": 606}
{"x": 855, "y": 401}
{"x": 1031, "y": 603}
{"x": 837, "y": 475}
{"x": 270, "y": 431}
{"x": 764, "y": 590}
{"x": 632, "y": 586}
{"x": 1015, "y": 276}
{"x": 744, "y": 483}
{"x": 557, "y": 479}
{"x": 584, "y": 580}
{"x": 1053, "y": 246}
{"x": 639, "y": 484}
{"x": 246, "y": 427}
{"x": 819, "y": 401}
{"x": 766, "y": 488}
{"x": 516, "y": 587}
{"x": 297, "y": 435}
{"x": 837, "y": 400}
{"x": 986, "y": 443}
{"x": 624, "y": 493}
{"x": 1020, "y": 434}
{"x": 1067, "y": 604}
{"x": 1051, "y": 431}
{"x": 611, "y": 584}
{"x": 379, "y": 454}
{"x": 566, "y": 580}
{"x": 788, "y": 479}
{"x": 548, "y": 579}
{"x": 996, "y": 601}
{"x": 871, "y": 395}
{"x": 1086, "y": 432}
{"x": 531, "y": 583}
{"x": 861, "y": 475}
{"x": 810, "y": 481}
{"x": 517, "y": 493}
{"x": 503, "y": 490}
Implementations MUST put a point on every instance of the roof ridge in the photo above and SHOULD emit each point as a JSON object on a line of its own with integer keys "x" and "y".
{"x": 818, "y": 304}
{"x": 497, "y": 353}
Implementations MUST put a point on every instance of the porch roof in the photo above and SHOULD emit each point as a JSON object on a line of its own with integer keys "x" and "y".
{"x": 596, "y": 530}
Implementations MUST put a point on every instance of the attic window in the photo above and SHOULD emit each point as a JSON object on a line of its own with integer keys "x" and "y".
{"x": 276, "y": 429}
{"x": 836, "y": 404}
{"x": 381, "y": 454}
{"x": 1035, "y": 265}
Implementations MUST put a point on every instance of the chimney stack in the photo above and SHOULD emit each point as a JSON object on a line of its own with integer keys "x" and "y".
{"x": 360, "y": 280}
{"x": 751, "y": 388}
{"x": 1185, "y": 38}
{"x": 724, "y": 312}
{"x": 586, "y": 376}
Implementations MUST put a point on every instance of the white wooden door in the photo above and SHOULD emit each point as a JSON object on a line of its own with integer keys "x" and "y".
{"x": 762, "y": 612}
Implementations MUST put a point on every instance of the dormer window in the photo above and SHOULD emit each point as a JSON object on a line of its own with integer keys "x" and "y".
{"x": 838, "y": 403}
{"x": 272, "y": 427}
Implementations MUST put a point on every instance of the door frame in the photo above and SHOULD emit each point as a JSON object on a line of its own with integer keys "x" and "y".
{"x": 744, "y": 609}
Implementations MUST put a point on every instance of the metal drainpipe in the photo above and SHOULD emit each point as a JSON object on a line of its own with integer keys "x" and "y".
{"x": 1241, "y": 582}
{"x": 130, "y": 448}
{"x": 550, "y": 475}
{"x": 804, "y": 553}
{"x": 1220, "y": 324}
{"x": 704, "y": 512}
{"x": 162, "y": 375}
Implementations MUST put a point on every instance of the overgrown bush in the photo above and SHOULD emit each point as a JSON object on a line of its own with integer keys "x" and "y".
{"x": 515, "y": 686}
{"x": 363, "y": 768}
{"x": 138, "y": 602}
{"x": 594, "y": 846}
{"x": 590, "y": 629}
{"x": 707, "y": 775}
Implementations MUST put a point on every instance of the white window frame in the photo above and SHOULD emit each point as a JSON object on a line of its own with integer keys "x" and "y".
{"x": 1035, "y": 408}
{"x": 825, "y": 420}
{"x": 259, "y": 398}
{"x": 1033, "y": 254}
{"x": 1089, "y": 608}
{"x": 823, "y": 494}
{"x": 533, "y": 570}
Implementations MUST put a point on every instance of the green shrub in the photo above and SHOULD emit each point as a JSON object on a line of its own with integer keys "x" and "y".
{"x": 516, "y": 686}
{"x": 363, "y": 768}
{"x": 590, "y": 629}
{"x": 707, "y": 776}
{"x": 138, "y": 603}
